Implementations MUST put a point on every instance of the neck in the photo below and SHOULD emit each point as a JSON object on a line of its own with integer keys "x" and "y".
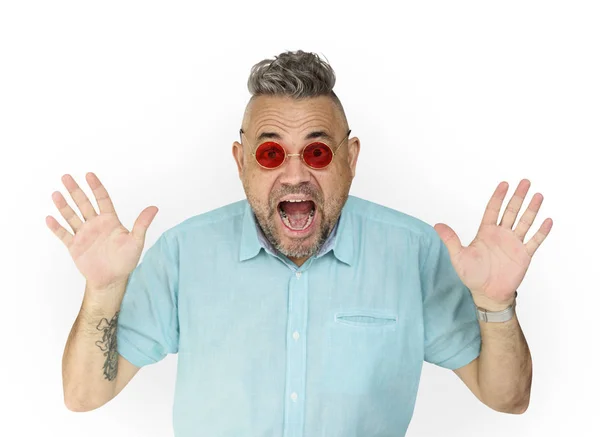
{"x": 298, "y": 261}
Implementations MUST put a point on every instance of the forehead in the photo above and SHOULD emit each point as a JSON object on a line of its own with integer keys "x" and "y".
{"x": 290, "y": 115}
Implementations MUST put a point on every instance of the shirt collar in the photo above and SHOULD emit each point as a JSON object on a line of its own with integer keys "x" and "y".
{"x": 253, "y": 238}
{"x": 249, "y": 245}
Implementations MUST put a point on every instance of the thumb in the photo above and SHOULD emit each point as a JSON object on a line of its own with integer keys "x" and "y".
{"x": 143, "y": 222}
{"x": 449, "y": 238}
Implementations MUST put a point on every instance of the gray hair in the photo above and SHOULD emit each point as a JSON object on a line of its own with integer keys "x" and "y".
{"x": 294, "y": 74}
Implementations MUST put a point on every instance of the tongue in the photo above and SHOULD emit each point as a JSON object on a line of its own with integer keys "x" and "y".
{"x": 297, "y": 212}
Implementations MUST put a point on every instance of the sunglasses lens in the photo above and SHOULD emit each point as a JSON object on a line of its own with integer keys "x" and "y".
{"x": 270, "y": 155}
{"x": 318, "y": 155}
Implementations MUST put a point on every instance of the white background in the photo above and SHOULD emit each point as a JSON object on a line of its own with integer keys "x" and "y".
{"x": 448, "y": 98}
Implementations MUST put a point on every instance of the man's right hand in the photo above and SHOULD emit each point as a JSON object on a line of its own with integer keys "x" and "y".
{"x": 103, "y": 250}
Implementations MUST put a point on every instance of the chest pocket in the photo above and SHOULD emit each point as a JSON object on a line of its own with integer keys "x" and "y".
{"x": 366, "y": 320}
{"x": 362, "y": 352}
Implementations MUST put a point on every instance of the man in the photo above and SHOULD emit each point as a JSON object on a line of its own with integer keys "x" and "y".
{"x": 301, "y": 311}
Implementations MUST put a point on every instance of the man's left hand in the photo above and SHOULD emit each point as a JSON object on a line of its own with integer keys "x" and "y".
{"x": 494, "y": 264}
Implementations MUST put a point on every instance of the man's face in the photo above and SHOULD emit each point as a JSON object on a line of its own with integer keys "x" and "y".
{"x": 296, "y": 206}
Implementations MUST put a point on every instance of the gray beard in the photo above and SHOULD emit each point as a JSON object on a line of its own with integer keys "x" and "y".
{"x": 296, "y": 249}
{"x": 268, "y": 214}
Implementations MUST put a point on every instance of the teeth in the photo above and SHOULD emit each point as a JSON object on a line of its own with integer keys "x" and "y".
{"x": 289, "y": 225}
{"x": 284, "y": 215}
{"x": 286, "y": 220}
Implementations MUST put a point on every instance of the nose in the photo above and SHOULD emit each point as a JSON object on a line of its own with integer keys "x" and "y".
{"x": 294, "y": 171}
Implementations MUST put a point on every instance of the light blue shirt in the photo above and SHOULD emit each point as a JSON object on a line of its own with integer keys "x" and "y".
{"x": 333, "y": 348}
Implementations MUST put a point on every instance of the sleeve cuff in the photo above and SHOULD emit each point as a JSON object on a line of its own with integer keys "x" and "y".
{"x": 464, "y": 357}
{"x": 132, "y": 354}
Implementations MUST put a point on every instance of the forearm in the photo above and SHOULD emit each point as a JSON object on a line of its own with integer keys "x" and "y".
{"x": 505, "y": 369}
{"x": 89, "y": 366}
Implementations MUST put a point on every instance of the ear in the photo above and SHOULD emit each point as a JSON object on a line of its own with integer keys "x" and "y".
{"x": 353, "y": 151}
{"x": 238, "y": 154}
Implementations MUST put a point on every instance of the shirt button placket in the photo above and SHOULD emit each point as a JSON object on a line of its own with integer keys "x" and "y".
{"x": 296, "y": 356}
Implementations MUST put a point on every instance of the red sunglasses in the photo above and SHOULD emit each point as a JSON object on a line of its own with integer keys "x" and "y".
{"x": 317, "y": 155}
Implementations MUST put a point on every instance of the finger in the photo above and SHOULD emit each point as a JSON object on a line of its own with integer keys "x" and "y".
{"x": 514, "y": 205}
{"x": 492, "y": 210}
{"x": 143, "y": 222}
{"x": 63, "y": 235}
{"x": 529, "y": 216}
{"x": 81, "y": 200}
{"x": 66, "y": 211}
{"x": 450, "y": 239}
{"x": 539, "y": 237}
{"x": 105, "y": 205}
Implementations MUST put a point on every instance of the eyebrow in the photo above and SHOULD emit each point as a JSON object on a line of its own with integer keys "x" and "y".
{"x": 311, "y": 136}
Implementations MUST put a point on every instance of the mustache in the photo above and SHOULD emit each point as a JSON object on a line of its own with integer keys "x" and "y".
{"x": 285, "y": 190}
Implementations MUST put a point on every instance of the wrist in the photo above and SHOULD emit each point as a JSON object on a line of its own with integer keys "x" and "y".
{"x": 491, "y": 305}
{"x": 117, "y": 286}
{"x": 98, "y": 302}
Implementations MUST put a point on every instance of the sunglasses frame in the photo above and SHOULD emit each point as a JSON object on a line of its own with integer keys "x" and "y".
{"x": 301, "y": 154}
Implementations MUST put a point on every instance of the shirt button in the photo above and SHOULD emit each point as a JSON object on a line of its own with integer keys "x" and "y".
{"x": 296, "y": 335}
{"x": 298, "y": 274}
{"x": 294, "y": 396}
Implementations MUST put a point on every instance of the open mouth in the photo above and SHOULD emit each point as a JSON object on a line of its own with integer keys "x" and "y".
{"x": 297, "y": 215}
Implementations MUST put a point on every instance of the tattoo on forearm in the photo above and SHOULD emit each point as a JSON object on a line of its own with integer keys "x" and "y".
{"x": 108, "y": 345}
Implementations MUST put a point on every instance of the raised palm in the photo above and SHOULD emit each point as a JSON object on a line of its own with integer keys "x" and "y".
{"x": 103, "y": 250}
{"x": 494, "y": 264}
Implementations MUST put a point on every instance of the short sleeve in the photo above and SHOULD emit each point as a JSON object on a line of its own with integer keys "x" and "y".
{"x": 452, "y": 334}
{"x": 148, "y": 326}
